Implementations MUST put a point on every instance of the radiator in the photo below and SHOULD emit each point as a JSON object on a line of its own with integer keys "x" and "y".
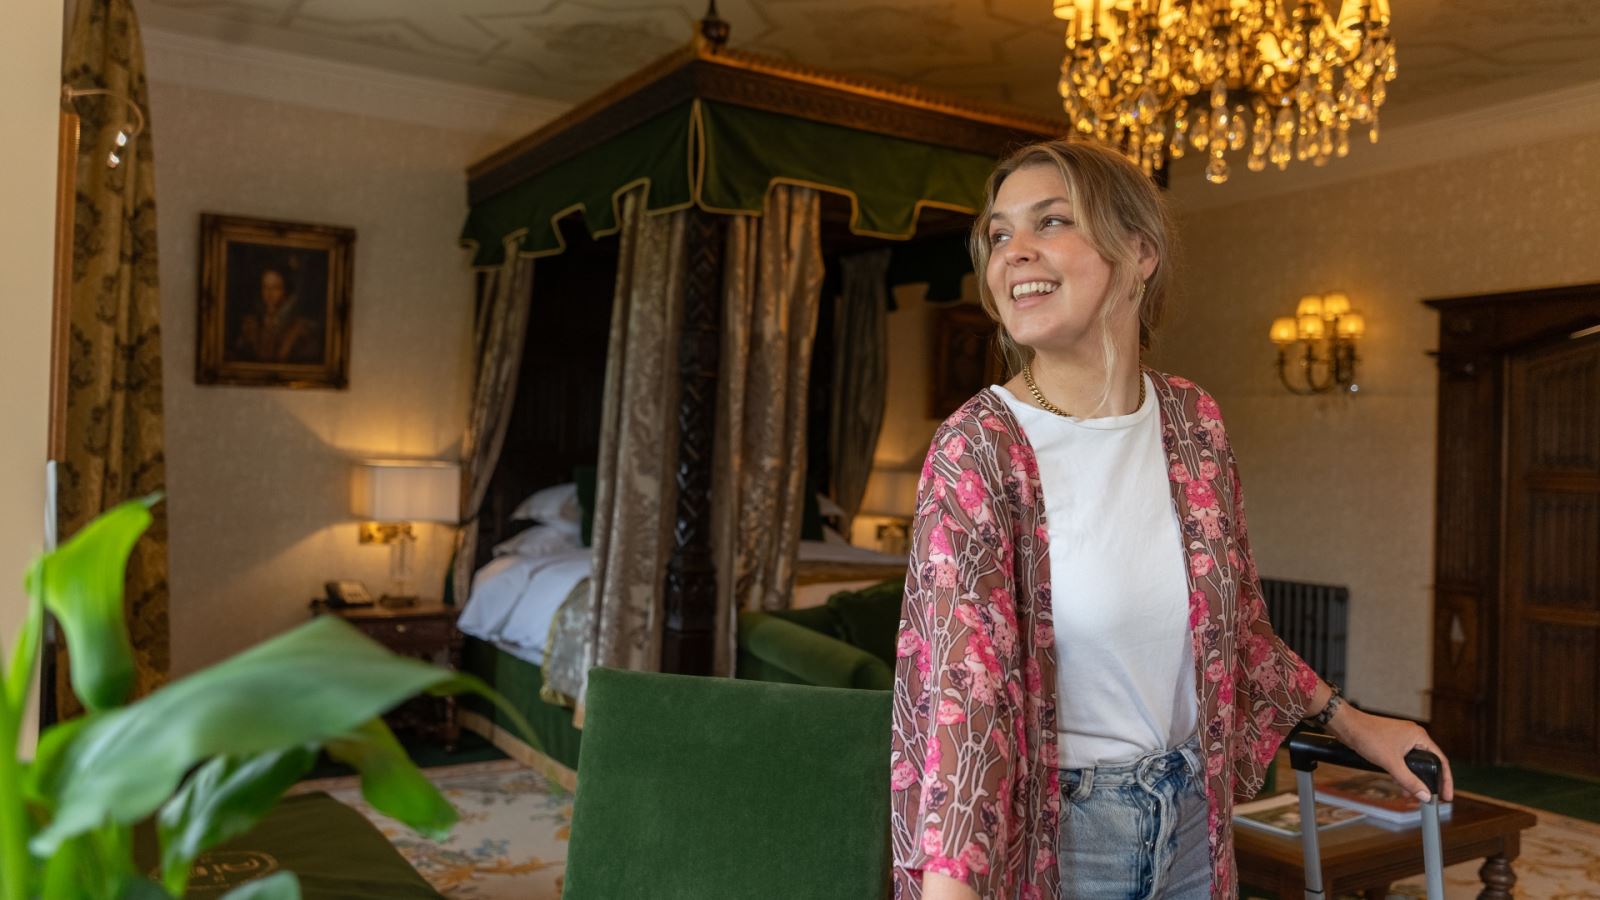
{"x": 1313, "y": 619}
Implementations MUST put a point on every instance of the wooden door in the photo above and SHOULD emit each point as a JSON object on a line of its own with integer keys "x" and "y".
{"x": 1550, "y": 652}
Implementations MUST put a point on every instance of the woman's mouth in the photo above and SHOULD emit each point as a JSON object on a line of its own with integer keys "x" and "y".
{"x": 1028, "y": 293}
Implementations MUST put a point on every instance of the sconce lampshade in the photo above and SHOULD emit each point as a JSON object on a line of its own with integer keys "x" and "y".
{"x": 891, "y": 493}
{"x": 1310, "y": 305}
{"x": 407, "y": 491}
{"x": 1310, "y": 325}
{"x": 1284, "y": 330}
{"x": 1351, "y": 325}
{"x": 1334, "y": 304}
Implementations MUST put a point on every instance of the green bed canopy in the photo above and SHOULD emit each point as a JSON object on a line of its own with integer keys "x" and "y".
{"x": 716, "y": 128}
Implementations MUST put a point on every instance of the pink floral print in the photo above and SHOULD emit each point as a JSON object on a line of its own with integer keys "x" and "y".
{"x": 973, "y": 765}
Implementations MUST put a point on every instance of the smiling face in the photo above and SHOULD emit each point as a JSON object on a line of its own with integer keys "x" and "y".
{"x": 1048, "y": 282}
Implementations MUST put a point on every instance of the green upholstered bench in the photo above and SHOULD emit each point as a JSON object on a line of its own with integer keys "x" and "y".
{"x": 721, "y": 789}
{"x": 849, "y": 642}
{"x": 335, "y": 852}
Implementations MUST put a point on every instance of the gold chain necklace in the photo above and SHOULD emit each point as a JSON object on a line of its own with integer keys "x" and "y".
{"x": 1038, "y": 395}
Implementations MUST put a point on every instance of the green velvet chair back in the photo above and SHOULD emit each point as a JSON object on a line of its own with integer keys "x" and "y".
{"x": 717, "y": 789}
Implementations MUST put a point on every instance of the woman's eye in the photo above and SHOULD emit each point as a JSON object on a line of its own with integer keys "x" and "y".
{"x": 1056, "y": 220}
{"x": 997, "y": 238}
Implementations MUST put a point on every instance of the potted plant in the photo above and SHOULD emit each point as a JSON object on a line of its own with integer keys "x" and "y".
{"x": 208, "y": 755}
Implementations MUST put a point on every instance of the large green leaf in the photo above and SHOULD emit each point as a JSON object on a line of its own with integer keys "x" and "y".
{"x": 312, "y": 684}
{"x": 280, "y": 886}
{"x": 81, "y": 583}
{"x": 221, "y": 800}
{"x": 391, "y": 782}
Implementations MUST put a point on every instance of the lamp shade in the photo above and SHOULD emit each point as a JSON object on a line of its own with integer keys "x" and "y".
{"x": 407, "y": 491}
{"x": 1311, "y": 327}
{"x": 891, "y": 492}
{"x": 1310, "y": 305}
{"x": 1334, "y": 304}
{"x": 1284, "y": 330}
{"x": 1352, "y": 325}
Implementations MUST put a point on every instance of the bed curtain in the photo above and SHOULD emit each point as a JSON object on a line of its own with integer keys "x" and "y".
{"x": 772, "y": 287}
{"x": 860, "y": 376}
{"x": 499, "y": 330}
{"x": 636, "y": 493}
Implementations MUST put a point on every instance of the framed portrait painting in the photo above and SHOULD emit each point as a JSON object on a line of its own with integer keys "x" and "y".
{"x": 966, "y": 358}
{"x": 274, "y": 303}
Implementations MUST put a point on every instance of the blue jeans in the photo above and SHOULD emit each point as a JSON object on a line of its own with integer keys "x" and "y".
{"x": 1137, "y": 829}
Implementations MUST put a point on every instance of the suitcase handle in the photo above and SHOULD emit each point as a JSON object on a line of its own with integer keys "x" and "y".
{"x": 1308, "y": 748}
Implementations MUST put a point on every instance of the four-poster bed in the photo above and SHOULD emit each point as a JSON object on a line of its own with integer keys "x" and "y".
{"x": 668, "y": 342}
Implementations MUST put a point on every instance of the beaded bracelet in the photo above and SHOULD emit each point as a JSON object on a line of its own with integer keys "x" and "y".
{"x": 1335, "y": 701}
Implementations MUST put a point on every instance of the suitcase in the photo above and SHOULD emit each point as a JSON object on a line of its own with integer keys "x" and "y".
{"x": 1307, "y": 749}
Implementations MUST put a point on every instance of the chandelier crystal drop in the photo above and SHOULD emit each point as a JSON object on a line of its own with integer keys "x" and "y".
{"x": 1281, "y": 79}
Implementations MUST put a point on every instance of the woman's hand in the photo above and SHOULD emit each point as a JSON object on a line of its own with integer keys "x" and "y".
{"x": 1385, "y": 742}
{"x": 938, "y": 886}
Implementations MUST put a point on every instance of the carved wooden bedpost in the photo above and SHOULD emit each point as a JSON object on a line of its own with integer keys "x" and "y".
{"x": 689, "y": 637}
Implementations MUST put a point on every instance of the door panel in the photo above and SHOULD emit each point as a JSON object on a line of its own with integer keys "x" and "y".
{"x": 1550, "y": 668}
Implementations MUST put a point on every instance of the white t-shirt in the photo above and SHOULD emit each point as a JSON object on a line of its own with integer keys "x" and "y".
{"x": 1119, "y": 590}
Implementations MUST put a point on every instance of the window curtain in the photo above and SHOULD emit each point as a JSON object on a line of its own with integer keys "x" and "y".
{"x": 499, "y": 331}
{"x": 860, "y": 376}
{"x": 772, "y": 289}
{"x": 635, "y": 489}
{"x": 113, "y": 428}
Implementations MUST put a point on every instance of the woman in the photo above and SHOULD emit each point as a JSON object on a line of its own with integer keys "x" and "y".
{"x": 1082, "y": 696}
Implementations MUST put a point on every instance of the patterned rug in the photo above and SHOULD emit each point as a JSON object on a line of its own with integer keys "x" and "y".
{"x": 1560, "y": 861}
{"x": 511, "y": 841}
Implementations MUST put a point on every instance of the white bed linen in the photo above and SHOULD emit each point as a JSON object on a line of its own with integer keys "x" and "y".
{"x": 515, "y": 598}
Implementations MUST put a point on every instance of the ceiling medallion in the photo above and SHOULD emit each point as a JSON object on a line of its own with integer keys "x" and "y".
{"x": 1285, "y": 79}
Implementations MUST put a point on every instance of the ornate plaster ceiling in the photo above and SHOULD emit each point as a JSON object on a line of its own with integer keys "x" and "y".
{"x": 1451, "y": 52}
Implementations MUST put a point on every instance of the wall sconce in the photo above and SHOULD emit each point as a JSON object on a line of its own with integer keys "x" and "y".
{"x": 892, "y": 495}
{"x": 392, "y": 494}
{"x": 1326, "y": 330}
{"x": 126, "y": 133}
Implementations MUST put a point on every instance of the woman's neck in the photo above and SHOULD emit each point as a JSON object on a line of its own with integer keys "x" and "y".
{"x": 1077, "y": 385}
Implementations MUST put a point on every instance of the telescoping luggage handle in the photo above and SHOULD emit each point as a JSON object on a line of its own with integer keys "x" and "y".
{"x": 1307, "y": 749}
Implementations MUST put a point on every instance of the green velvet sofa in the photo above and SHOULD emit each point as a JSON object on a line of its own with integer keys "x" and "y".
{"x": 849, "y": 642}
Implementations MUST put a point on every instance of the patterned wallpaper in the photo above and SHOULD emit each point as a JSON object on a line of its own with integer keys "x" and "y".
{"x": 999, "y": 50}
{"x": 1341, "y": 489}
{"x": 259, "y": 478}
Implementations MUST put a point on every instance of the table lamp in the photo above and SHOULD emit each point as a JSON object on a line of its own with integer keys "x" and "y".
{"x": 391, "y": 494}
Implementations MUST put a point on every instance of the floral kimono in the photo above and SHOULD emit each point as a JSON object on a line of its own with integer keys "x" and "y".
{"x": 973, "y": 762}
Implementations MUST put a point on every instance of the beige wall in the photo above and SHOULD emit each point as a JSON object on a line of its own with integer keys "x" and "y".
{"x": 259, "y": 477}
{"x": 1341, "y": 489}
{"x": 30, "y": 85}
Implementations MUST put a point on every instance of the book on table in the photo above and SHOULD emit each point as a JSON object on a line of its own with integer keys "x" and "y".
{"x": 1377, "y": 795}
{"x": 1281, "y": 815}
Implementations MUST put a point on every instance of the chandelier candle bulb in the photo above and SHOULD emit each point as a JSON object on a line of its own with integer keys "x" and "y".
{"x": 1305, "y": 69}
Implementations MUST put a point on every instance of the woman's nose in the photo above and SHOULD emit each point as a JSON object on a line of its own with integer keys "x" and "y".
{"x": 1018, "y": 250}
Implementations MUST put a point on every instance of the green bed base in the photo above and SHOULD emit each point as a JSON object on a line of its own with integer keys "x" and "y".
{"x": 519, "y": 681}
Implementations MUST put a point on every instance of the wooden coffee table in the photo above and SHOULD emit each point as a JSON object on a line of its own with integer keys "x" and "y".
{"x": 1365, "y": 859}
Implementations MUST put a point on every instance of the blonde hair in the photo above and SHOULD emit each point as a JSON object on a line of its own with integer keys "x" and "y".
{"x": 1117, "y": 207}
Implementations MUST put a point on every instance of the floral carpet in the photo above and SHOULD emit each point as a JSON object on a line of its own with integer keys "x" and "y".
{"x": 1560, "y": 861}
{"x": 511, "y": 840}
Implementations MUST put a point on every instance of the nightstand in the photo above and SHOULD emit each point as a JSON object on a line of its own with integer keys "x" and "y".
{"x": 426, "y": 631}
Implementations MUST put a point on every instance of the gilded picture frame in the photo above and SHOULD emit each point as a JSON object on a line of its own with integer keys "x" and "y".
{"x": 274, "y": 306}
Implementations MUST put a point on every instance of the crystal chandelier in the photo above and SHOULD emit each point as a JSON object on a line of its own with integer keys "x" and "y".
{"x": 1283, "y": 78}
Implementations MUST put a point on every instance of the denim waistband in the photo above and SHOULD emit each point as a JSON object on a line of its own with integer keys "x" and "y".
{"x": 1146, "y": 770}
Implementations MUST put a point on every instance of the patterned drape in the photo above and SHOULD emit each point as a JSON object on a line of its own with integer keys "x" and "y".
{"x": 499, "y": 331}
{"x": 635, "y": 490}
{"x": 860, "y": 376}
{"x": 772, "y": 289}
{"x": 113, "y": 398}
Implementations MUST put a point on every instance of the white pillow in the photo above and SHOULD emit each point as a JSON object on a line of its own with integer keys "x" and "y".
{"x": 540, "y": 540}
{"x": 553, "y": 506}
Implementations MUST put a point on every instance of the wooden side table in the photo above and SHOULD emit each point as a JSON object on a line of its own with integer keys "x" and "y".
{"x": 1361, "y": 858}
{"x": 426, "y": 631}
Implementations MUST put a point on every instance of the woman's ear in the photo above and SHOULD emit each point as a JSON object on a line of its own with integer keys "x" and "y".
{"x": 1147, "y": 258}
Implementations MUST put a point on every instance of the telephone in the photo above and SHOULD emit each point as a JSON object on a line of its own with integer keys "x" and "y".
{"x": 347, "y": 593}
